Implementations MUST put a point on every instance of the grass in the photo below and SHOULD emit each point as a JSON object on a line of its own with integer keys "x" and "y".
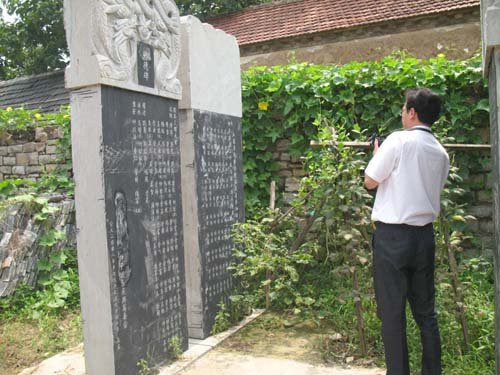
{"x": 24, "y": 342}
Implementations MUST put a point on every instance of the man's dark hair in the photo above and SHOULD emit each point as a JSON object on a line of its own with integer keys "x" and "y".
{"x": 426, "y": 103}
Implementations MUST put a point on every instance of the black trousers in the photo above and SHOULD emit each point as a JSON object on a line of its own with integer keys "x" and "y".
{"x": 403, "y": 269}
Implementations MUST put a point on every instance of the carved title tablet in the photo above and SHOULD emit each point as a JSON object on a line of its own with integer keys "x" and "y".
{"x": 132, "y": 44}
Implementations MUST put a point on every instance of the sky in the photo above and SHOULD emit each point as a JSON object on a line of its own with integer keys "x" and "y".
{"x": 5, "y": 16}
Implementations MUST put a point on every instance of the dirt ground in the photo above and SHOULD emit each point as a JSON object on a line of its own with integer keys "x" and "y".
{"x": 271, "y": 336}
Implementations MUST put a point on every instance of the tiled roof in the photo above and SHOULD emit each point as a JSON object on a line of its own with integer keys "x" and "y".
{"x": 293, "y": 18}
{"x": 44, "y": 91}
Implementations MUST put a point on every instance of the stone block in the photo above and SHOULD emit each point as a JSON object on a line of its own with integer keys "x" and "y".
{"x": 484, "y": 133}
{"x": 481, "y": 211}
{"x": 22, "y": 159}
{"x": 14, "y": 149}
{"x": 29, "y": 147}
{"x": 51, "y": 167}
{"x": 285, "y": 157}
{"x": 283, "y": 165}
{"x": 487, "y": 226}
{"x": 283, "y": 145}
{"x": 6, "y": 170}
{"x": 52, "y": 142}
{"x": 33, "y": 158}
{"x": 485, "y": 196}
{"x": 284, "y": 173}
{"x": 41, "y": 135}
{"x": 476, "y": 179}
{"x": 473, "y": 226}
{"x": 51, "y": 150}
{"x": 292, "y": 184}
{"x": 4, "y": 150}
{"x": 9, "y": 160}
{"x": 489, "y": 181}
{"x": 34, "y": 169}
{"x": 52, "y": 132}
{"x": 19, "y": 170}
{"x": 47, "y": 159}
{"x": 299, "y": 172}
{"x": 276, "y": 155}
{"x": 40, "y": 147}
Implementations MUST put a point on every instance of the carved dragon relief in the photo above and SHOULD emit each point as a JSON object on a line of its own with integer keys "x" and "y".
{"x": 118, "y": 26}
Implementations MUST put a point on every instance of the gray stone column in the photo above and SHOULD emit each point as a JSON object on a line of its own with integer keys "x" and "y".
{"x": 211, "y": 157}
{"x": 126, "y": 161}
{"x": 490, "y": 17}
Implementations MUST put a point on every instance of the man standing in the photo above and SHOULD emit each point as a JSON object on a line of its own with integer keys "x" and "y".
{"x": 410, "y": 169}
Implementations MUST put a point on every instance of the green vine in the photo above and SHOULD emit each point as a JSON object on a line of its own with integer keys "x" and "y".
{"x": 288, "y": 102}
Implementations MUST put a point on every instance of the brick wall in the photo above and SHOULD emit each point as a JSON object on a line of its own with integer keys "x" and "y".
{"x": 27, "y": 153}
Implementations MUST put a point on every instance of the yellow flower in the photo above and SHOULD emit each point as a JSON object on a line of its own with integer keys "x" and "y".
{"x": 263, "y": 106}
{"x": 9, "y": 109}
{"x": 38, "y": 116}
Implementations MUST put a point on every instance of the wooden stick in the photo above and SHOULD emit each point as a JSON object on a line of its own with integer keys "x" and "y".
{"x": 450, "y": 146}
{"x": 272, "y": 195}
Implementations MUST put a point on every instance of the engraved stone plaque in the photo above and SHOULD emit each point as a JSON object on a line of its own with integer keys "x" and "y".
{"x": 144, "y": 226}
{"x": 219, "y": 176}
{"x": 146, "y": 65}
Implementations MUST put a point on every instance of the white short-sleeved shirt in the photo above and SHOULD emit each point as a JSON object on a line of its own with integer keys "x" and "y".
{"x": 411, "y": 167}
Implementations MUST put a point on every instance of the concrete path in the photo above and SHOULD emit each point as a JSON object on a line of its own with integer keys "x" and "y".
{"x": 227, "y": 363}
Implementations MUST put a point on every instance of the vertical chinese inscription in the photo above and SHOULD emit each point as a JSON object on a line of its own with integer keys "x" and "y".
{"x": 144, "y": 224}
{"x": 145, "y": 65}
{"x": 220, "y": 202}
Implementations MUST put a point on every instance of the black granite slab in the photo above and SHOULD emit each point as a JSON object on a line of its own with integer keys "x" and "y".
{"x": 144, "y": 225}
{"x": 219, "y": 178}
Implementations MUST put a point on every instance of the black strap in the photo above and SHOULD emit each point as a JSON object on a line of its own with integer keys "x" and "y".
{"x": 422, "y": 129}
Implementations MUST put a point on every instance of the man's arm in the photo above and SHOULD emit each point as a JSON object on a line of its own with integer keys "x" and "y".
{"x": 370, "y": 183}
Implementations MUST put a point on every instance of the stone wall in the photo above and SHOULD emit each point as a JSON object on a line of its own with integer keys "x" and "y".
{"x": 28, "y": 153}
{"x": 457, "y": 34}
{"x": 291, "y": 171}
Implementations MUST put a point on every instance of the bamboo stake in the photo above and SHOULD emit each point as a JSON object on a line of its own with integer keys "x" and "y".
{"x": 272, "y": 203}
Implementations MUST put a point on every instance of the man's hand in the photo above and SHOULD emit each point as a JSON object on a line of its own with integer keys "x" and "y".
{"x": 370, "y": 183}
{"x": 375, "y": 145}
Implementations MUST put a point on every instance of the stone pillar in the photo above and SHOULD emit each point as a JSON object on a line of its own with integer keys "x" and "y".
{"x": 212, "y": 177}
{"x": 126, "y": 159}
{"x": 490, "y": 17}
